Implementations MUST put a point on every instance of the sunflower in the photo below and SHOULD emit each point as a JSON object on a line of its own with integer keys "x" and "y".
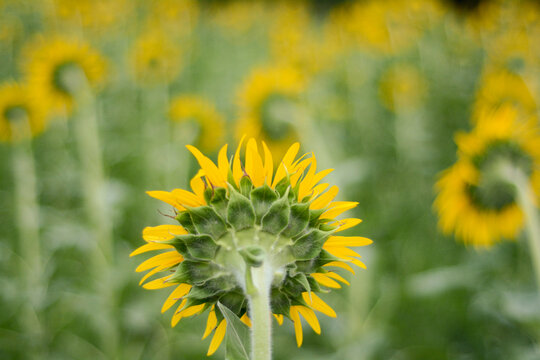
{"x": 473, "y": 202}
{"x": 20, "y": 117}
{"x": 268, "y": 104}
{"x": 499, "y": 86}
{"x": 402, "y": 86}
{"x": 155, "y": 58}
{"x": 245, "y": 216}
{"x": 56, "y": 68}
{"x": 174, "y": 17}
{"x": 210, "y": 123}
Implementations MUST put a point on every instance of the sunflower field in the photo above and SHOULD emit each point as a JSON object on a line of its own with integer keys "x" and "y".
{"x": 283, "y": 179}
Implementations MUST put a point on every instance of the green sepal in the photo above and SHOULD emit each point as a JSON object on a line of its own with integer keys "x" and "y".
{"x": 201, "y": 247}
{"x": 184, "y": 218}
{"x": 207, "y": 221}
{"x": 305, "y": 266}
{"x": 309, "y": 246}
{"x": 314, "y": 285}
{"x": 262, "y": 198}
{"x": 277, "y": 217}
{"x": 301, "y": 279}
{"x": 245, "y": 186}
{"x": 208, "y": 193}
{"x": 314, "y": 217}
{"x": 234, "y": 301}
{"x": 298, "y": 220}
{"x": 219, "y": 201}
{"x": 292, "y": 287}
{"x": 253, "y": 255}
{"x": 327, "y": 227}
{"x": 283, "y": 185}
{"x": 280, "y": 302}
{"x": 324, "y": 258}
{"x": 240, "y": 212}
{"x": 237, "y": 345}
{"x": 212, "y": 287}
{"x": 194, "y": 272}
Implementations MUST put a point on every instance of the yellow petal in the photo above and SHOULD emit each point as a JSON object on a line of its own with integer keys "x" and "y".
{"x": 159, "y": 268}
{"x": 316, "y": 302}
{"x": 297, "y": 171}
{"x": 167, "y": 197}
{"x": 323, "y": 200}
{"x": 162, "y": 232}
{"x": 150, "y": 247}
{"x": 223, "y": 162}
{"x": 268, "y": 164}
{"x": 198, "y": 186}
{"x": 192, "y": 310}
{"x": 246, "y": 320}
{"x": 341, "y": 252}
{"x": 175, "y": 295}
{"x": 158, "y": 283}
{"x": 238, "y": 172}
{"x": 285, "y": 164}
{"x": 338, "y": 277}
{"x": 210, "y": 169}
{"x": 345, "y": 224}
{"x": 279, "y": 319}
{"x": 353, "y": 241}
{"x": 210, "y": 323}
{"x": 159, "y": 260}
{"x": 254, "y": 164}
{"x": 325, "y": 281}
{"x": 310, "y": 317}
{"x": 337, "y": 208}
{"x": 177, "y": 315}
{"x": 297, "y": 325}
{"x": 307, "y": 182}
{"x": 184, "y": 197}
{"x": 340, "y": 264}
{"x": 218, "y": 337}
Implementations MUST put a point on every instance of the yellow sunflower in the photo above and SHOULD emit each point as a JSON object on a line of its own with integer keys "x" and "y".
{"x": 267, "y": 103}
{"x": 472, "y": 201}
{"x": 54, "y": 67}
{"x": 500, "y": 86}
{"x": 211, "y": 124}
{"x": 20, "y": 117}
{"x": 402, "y": 86}
{"x": 241, "y": 218}
{"x": 156, "y": 58}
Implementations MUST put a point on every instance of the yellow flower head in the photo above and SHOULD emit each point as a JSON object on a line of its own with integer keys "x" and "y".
{"x": 267, "y": 103}
{"x": 500, "y": 86}
{"x": 210, "y": 123}
{"x": 241, "y": 215}
{"x": 156, "y": 58}
{"x": 58, "y": 67}
{"x": 20, "y": 117}
{"x": 402, "y": 86}
{"x": 473, "y": 203}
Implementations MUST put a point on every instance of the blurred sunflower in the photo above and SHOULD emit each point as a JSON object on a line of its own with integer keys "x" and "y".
{"x": 210, "y": 123}
{"x": 58, "y": 67}
{"x": 241, "y": 217}
{"x": 176, "y": 18}
{"x": 156, "y": 58}
{"x": 501, "y": 86}
{"x": 472, "y": 201}
{"x": 237, "y": 17}
{"x": 402, "y": 86}
{"x": 268, "y": 106}
{"x": 20, "y": 117}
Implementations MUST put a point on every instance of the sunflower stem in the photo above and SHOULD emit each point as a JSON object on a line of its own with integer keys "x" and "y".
{"x": 259, "y": 304}
{"x": 526, "y": 200}
{"x": 93, "y": 186}
{"x": 27, "y": 220}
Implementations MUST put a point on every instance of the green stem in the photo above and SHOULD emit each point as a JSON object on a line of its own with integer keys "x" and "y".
{"x": 27, "y": 220}
{"x": 93, "y": 186}
{"x": 526, "y": 200}
{"x": 259, "y": 304}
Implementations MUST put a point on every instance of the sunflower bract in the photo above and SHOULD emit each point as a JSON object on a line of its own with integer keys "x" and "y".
{"x": 240, "y": 214}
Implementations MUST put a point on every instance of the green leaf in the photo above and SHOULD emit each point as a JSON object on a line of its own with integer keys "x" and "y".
{"x": 237, "y": 342}
{"x": 298, "y": 220}
{"x": 240, "y": 213}
{"x": 310, "y": 245}
{"x": 201, "y": 247}
{"x": 277, "y": 217}
{"x": 262, "y": 198}
{"x": 207, "y": 221}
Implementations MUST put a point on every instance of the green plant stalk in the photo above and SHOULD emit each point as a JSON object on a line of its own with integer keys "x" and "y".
{"x": 526, "y": 200}
{"x": 261, "y": 314}
{"x": 27, "y": 220}
{"x": 93, "y": 186}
